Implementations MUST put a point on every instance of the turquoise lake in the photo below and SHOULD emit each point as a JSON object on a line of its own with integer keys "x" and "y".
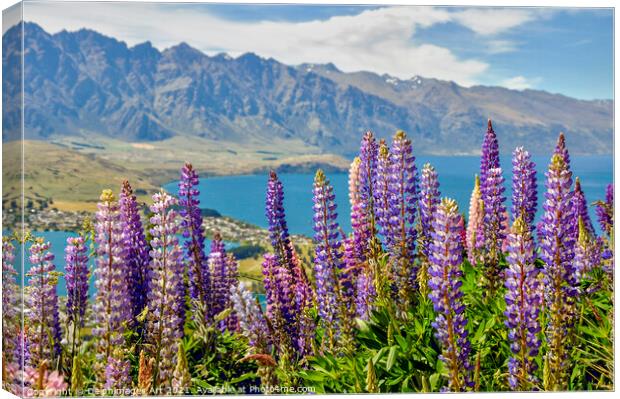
{"x": 243, "y": 197}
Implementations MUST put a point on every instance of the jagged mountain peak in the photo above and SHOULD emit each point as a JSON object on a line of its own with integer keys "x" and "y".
{"x": 85, "y": 81}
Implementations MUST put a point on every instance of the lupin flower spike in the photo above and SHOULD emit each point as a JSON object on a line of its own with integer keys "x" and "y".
{"x": 193, "y": 231}
{"x": 429, "y": 200}
{"x": 445, "y": 285}
{"x": 588, "y": 251}
{"x": 10, "y": 301}
{"x": 42, "y": 301}
{"x": 112, "y": 307}
{"x": 276, "y": 218}
{"x": 490, "y": 155}
{"x": 474, "y": 223}
{"x": 523, "y": 303}
{"x": 605, "y": 210}
{"x": 561, "y": 150}
{"x": 368, "y": 166}
{"x": 557, "y": 252}
{"x": 365, "y": 294}
{"x": 493, "y": 226}
{"x": 524, "y": 187}
{"x": 359, "y": 221}
{"x": 220, "y": 277}
{"x": 287, "y": 258}
{"x": 136, "y": 249}
{"x": 382, "y": 193}
{"x": 166, "y": 293}
{"x": 76, "y": 276}
{"x": 489, "y": 159}
{"x": 356, "y": 245}
{"x": 580, "y": 210}
{"x": 280, "y": 298}
{"x": 251, "y": 320}
{"x": 328, "y": 265}
{"x": 117, "y": 372}
{"x": 403, "y": 186}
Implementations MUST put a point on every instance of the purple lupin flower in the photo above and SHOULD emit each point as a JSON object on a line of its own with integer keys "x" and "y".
{"x": 560, "y": 149}
{"x": 445, "y": 284}
{"x": 217, "y": 244}
{"x": 281, "y": 305}
{"x": 10, "y": 301}
{"x": 280, "y": 237}
{"x": 605, "y": 216}
{"x": 76, "y": 276}
{"x": 367, "y": 176}
{"x": 580, "y": 210}
{"x": 474, "y": 223}
{"x": 523, "y": 303}
{"x": 557, "y": 252}
{"x": 276, "y": 219}
{"x": 287, "y": 258}
{"x": 365, "y": 290}
{"x": 429, "y": 200}
{"x": 166, "y": 292}
{"x": 403, "y": 186}
{"x": 605, "y": 210}
{"x": 219, "y": 289}
{"x": 223, "y": 273}
{"x": 136, "y": 249}
{"x": 489, "y": 159}
{"x": 42, "y": 305}
{"x": 490, "y": 155}
{"x": 22, "y": 350}
{"x": 382, "y": 193}
{"x": 588, "y": 251}
{"x": 363, "y": 221}
{"x": 331, "y": 280}
{"x": 117, "y": 375}
{"x": 251, "y": 320}
{"x": 193, "y": 231}
{"x": 493, "y": 225}
{"x": 524, "y": 187}
{"x": 356, "y": 246}
{"x": 112, "y": 307}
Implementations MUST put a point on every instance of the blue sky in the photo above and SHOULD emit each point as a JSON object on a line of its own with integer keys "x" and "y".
{"x": 567, "y": 51}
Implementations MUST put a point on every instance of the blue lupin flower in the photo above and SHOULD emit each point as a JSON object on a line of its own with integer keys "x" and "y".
{"x": 445, "y": 284}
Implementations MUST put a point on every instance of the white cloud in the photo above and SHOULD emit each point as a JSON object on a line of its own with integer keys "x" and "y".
{"x": 500, "y": 46}
{"x": 378, "y": 40}
{"x": 520, "y": 82}
{"x": 493, "y": 21}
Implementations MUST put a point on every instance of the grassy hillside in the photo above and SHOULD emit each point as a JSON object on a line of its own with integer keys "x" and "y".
{"x": 69, "y": 173}
{"x": 63, "y": 178}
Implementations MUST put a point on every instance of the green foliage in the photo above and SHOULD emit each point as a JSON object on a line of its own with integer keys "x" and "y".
{"x": 402, "y": 355}
{"x": 216, "y": 359}
{"x": 392, "y": 355}
{"x": 593, "y": 351}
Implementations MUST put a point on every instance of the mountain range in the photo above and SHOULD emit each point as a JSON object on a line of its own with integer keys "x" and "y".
{"x": 83, "y": 83}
